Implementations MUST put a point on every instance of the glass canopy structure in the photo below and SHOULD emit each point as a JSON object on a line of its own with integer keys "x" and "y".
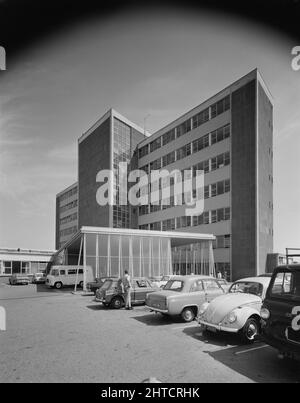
{"x": 143, "y": 253}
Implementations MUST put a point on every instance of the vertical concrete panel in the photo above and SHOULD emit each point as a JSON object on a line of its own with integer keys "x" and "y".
{"x": 57, "y": 223}
{"x": 265, "y": 178}
{"x": 243, "y": 182}
{"x": 93, "y": 155}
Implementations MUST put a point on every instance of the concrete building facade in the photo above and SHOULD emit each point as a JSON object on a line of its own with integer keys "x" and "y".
{"x": 66, "y": 215}
{"x": 229, "y": 137}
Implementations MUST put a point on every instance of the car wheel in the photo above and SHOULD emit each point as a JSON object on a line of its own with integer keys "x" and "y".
{"x": 250, "y": 330}
{"x": 58, "y": 285}
{"x": 116, "y": 303}
{"x": 81, "y": 284}
{"x": 188, "y": 314}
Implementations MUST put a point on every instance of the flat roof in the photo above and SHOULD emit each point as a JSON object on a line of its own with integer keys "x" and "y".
{"x": 67, "y": 189}
{"x": 112, "y": 113}
{"x": 26, "y": 251}
{"x": 253, "y": 74}
{"x": 177, "y": 238}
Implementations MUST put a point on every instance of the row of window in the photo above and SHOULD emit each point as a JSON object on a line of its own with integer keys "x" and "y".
{"x": 221, "y": 241}
{"x": 192, "y": 123}
{"x": 208, "y": 217}
{"x": 68, "y": 206}
{"x": 208, "y": 165}
{"x": 12, "y": 267}
{"x": 68, "y": 218}
{"x": 68, "y": 194}
{"x": 68, "y": 231}
{"x": 215, "y": 189}
{"x": 199, "y": 144}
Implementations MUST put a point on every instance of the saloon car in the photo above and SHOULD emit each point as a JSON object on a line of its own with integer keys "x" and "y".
{"x": 280, "y": 312}
{"x": 238, "y": 311}
{"x": 98, "y": 283}
{"x": 111, "y": 293}
{"x": 183, "y": 295}
{"x": 19, "y": 279}
{"x": 38, "y": 278}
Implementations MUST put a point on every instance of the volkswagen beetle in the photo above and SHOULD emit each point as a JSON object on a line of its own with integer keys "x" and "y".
{"x": 238, "y": 311}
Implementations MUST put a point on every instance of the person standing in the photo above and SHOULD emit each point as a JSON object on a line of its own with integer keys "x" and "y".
{"x": 126, "y": 282}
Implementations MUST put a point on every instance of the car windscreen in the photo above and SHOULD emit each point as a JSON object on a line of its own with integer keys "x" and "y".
{"x": 286, "y": 285}
{"x": 107, "y": 284}
{"x": 54, "y": 272}
{"x": 174, "y": 285}
{"x": 248, "y": 287}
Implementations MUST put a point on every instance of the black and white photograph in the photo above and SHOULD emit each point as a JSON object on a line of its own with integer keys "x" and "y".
{"x": 149, "y": 195}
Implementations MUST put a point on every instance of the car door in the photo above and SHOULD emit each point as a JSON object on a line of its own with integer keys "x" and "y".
{"x": 197, "y": 293}
{"x": 212, "y": 289}
{"x": 62, "y": 276}
{"x": 141, "y": 290}
{"x": 283, "y": 301}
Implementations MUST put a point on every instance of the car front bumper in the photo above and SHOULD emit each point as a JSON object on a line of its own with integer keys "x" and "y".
{"x": 217, "y": 327}
{"x": 97, "y": 299}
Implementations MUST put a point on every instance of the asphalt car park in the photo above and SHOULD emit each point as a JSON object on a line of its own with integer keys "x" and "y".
{"x": 56, "y": 336}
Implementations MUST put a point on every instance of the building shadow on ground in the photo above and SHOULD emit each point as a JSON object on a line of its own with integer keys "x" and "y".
{"x": 257, "y": 362}
{"x": 98, "y": 307}
{"x": 216, "y": 339}
{"x": 156, "y": 319}
{"x": 40, "y": 287}
{"x": 261, "y": 365}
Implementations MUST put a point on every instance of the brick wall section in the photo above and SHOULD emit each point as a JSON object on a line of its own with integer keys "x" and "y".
{"x": 243, "y": 182}
{"x": 93, "y": 156}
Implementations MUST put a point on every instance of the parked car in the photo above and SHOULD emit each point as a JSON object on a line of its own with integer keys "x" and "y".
{"x": 19, "y": 279}
{"x": 94, "y": 285}
{"x": 161, "y": 281}
{"x": 238, "y": 311}
{"x": 155, "y": 280}
{"x": 61, "y": 276}
{"x": 183, "y": 295}
{"x": 110, "y": 294}
{"x": 224, "y": 284}
{"x": 280, "y": 312}
{"x": 265, "y": 275}
{"x": 38, "y": 278}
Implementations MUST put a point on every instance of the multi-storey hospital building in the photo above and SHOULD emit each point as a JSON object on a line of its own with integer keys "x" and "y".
{"x": 228, "y": 136}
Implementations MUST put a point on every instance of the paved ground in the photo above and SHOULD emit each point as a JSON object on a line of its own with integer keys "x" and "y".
{"x": 56, "y": 336}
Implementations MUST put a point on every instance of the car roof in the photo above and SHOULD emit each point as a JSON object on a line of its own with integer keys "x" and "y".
{"x": 257, "y": 279}
{"x": 293, "y": 266}
{"x": 190, "y": 277}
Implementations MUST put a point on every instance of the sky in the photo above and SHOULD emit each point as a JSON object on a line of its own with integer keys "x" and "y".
{"x": 160, "y": 63}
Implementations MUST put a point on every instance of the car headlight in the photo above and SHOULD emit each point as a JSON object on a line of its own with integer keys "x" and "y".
{"x": 232, "y": 317}
{"x": 203, "y": 308}
{"x": 264, "y": 313}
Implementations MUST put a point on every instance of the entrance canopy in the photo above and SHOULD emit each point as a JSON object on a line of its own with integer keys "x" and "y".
{"x": 143, "y": 253}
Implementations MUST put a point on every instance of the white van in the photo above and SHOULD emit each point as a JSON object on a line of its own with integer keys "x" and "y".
{"x": 60, "y": 276}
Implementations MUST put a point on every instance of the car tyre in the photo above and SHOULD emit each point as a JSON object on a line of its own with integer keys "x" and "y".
{"x": 58, "y": 285}
{"x": 250, "y": 330}
{"x": 188, "y": 314}
{"x": 80, "y": 284}
{"x": 116, "y": 303}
